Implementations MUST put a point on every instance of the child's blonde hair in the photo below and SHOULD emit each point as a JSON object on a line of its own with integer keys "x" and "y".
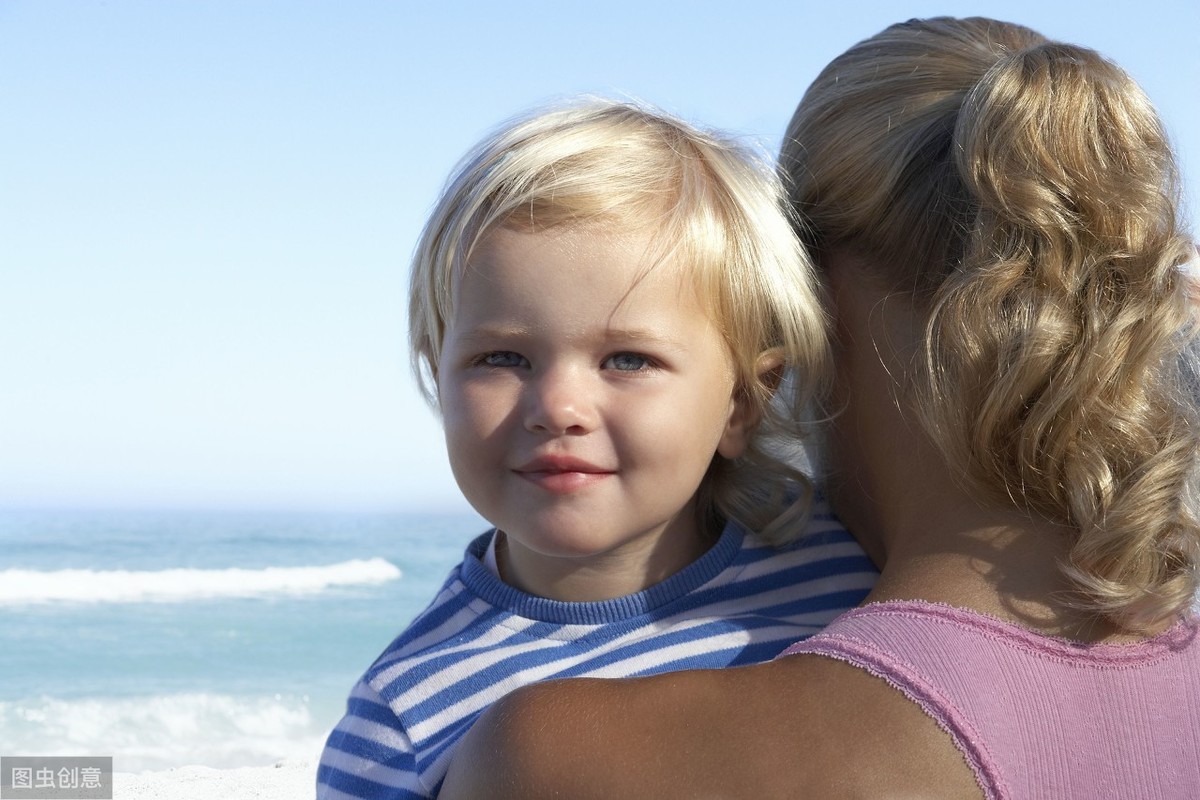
{"x": 1023, "y": 192}
{"x": 717, "y": 209}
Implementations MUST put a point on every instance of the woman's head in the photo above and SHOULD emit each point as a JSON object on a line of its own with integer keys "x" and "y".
{"x": 1022, "y": 194}
{"x": 712, "y": 205}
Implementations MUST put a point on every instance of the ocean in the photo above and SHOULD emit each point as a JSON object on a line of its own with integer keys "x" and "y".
{"x": 223, "y": 639}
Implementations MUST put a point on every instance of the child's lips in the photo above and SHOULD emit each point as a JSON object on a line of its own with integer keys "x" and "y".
{"x": 562, "y": 474}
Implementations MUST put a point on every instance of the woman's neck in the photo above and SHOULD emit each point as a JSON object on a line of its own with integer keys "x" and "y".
{"x": 935, "y": 537}
{"x": 934, "y": 541}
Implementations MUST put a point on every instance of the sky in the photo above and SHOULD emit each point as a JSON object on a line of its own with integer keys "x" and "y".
{"x": 207, "y": 210}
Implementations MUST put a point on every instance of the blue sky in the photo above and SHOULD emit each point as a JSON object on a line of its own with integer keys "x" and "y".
{"x": 207, "y": 210}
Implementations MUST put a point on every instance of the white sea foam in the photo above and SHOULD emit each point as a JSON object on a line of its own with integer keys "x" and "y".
{"x": 164, "y": 731}
{"x": 21, "y": 587}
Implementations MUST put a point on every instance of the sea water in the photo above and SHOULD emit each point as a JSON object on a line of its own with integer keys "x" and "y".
{"x": 223, "y": 639}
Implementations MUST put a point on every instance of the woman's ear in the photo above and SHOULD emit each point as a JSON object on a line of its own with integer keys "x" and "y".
{"x": 744, "y": 410}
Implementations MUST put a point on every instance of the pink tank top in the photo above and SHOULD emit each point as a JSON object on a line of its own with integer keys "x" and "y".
{"x": 1035, "y": 716}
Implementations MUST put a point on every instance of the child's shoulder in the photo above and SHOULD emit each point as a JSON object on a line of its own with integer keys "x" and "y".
{"x": 452, "y": 611}
{"x": 824, "y": 553}
{"x": 821, "y": 528}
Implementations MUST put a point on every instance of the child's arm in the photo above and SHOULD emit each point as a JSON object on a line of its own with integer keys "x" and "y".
{"x": 369, "y": 754}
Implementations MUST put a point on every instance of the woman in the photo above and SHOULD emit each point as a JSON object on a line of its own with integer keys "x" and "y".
{"x": 995, "y": 217}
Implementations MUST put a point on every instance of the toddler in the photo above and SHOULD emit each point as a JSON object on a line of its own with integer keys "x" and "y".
{"x": 613, "y": 316}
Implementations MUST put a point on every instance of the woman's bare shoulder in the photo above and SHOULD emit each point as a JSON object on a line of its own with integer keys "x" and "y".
{"x": 795, "y": 727}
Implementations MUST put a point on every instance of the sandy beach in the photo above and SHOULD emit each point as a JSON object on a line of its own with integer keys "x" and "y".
{"x": 286, "y": 780}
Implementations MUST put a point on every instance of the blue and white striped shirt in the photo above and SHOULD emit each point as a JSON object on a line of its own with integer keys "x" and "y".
{"x": 742, "y": 602}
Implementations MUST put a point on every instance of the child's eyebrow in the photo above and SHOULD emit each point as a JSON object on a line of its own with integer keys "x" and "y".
{"x": 643, "y": 336}
{"x": 495, "y": 332}
{"x": 610, "y": 335}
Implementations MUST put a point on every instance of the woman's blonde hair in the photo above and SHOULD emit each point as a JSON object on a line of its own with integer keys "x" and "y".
{"x": 717, "y": 208}
{"x": 1024, "y": 192}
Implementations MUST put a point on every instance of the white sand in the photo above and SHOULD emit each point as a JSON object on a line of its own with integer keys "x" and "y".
{"x": 287, "y": 780}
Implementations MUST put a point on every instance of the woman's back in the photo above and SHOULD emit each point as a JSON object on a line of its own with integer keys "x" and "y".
{"x": 1038, "y": 716}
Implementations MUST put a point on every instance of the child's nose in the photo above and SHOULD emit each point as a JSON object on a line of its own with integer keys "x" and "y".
{"x": 560, "y": 403}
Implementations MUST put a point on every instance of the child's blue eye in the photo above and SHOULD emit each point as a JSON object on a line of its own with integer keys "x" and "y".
{"x": 626, "y": 362}
{"x": 503, "y": 358}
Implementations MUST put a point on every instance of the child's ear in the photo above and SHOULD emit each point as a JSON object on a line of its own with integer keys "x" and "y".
{"x": 744, "y": 412}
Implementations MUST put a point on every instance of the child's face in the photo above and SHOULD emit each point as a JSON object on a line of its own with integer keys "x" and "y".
{"x": 582, "y": 407}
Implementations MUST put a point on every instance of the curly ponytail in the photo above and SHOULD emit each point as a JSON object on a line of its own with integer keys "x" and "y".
{"x": 1032, "y": 203}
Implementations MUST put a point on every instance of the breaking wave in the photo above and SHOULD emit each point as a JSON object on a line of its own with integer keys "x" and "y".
{"x": 23, "y": 587}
